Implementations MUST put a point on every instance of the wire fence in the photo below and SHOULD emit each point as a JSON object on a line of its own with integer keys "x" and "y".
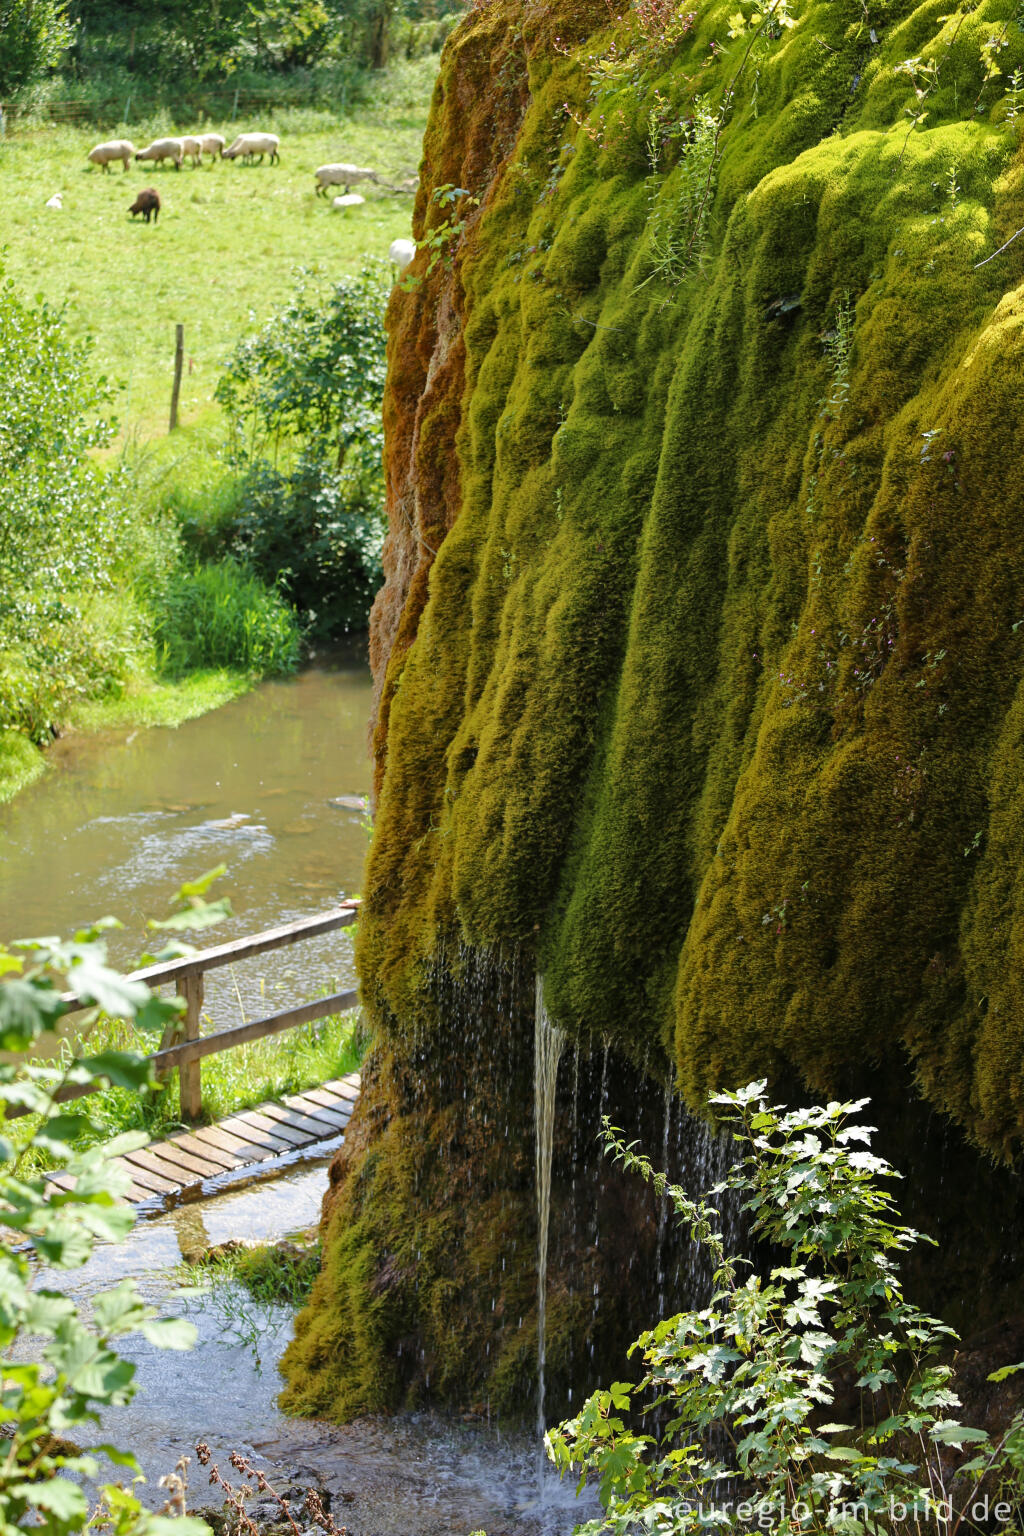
{"x": 228, "y": 103}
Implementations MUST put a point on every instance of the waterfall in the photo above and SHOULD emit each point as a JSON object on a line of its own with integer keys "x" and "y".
{"x": 548, "y": 1043}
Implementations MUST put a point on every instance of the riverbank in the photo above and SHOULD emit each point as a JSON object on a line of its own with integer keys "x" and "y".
{"x": 143, "y": 702}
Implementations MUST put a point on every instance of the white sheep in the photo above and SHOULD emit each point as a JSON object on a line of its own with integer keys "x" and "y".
{"x": 162, "y": 149}
{"x": 213, "y": 144}
{"x": 112, "y": 149}
{"x": 251, "y": 145}
{"x": 401, "y": 253}
{"x": 341, "y": 175}
{"x": 191, "y": 149}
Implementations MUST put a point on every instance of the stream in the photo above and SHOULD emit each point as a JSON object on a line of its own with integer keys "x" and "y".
{"x": 415, "y": 1475}
{"x": 268, "y": 785}
{"x": 123, "y": 818}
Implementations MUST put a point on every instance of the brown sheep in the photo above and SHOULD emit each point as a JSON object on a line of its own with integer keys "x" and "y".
{"x": 147, "y": 202}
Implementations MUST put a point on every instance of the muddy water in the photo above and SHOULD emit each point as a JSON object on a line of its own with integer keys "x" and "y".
{"x": 417, "y": 1475}
{"x": 125, "y": 817}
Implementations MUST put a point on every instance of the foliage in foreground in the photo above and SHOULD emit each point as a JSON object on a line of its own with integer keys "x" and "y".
{"x": 761, "y": 1368}
{"x": 52, "y": 1398}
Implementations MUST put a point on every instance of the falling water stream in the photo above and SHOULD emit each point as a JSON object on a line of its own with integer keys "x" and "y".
{"x": 548, "y": 1043}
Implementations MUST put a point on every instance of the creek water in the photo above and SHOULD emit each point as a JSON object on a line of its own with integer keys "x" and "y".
{"x": 414, "y": 1475}
{"x": 124, "y": 817}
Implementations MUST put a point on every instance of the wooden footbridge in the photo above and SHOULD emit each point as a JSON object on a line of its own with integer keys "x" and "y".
{"x": 183, "y": 1165}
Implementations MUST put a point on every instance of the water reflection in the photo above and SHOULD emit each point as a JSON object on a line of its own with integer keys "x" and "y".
{"x": 125, "y": 817}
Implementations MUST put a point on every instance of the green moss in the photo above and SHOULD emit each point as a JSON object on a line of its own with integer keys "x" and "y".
{"x": 708, "y": 702}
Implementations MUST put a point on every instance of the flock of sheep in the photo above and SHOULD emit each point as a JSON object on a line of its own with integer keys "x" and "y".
{"x": 250, "y": 148}
{"x": 247, "y": 146}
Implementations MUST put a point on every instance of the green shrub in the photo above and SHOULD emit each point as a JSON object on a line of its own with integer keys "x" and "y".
{"x": 303, "y": 397}
{"x": 749, "y": 1383}
{"x": 224, "y": 616}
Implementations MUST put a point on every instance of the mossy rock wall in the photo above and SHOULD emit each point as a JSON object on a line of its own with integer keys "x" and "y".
{"x": 700, "y": 654}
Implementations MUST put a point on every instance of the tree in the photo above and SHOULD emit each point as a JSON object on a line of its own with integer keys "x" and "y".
{"x": 33, "y": 35}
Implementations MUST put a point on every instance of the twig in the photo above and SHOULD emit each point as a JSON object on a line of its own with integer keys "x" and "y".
{"x": 1000, "y": 251}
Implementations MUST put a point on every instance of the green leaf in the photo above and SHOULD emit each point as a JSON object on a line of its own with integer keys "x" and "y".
{"x": 1005, "y": 1371}
{"x": 202, "y": 883}
{"x": 58, "y": 1133}
{"x": 948, "y": 1432}
{"x": 57, "y": 1496}
{"x": 170, "y": 1333}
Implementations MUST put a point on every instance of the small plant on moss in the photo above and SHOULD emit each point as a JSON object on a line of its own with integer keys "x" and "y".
{"x": 443, "y": 238}
{"x": 838, "y": 344}
{"x": 679, "y": 231}
{"x": 758, "y": 1371}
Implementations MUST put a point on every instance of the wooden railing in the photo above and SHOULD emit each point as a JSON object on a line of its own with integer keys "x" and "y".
{"x": 187, "y": 974}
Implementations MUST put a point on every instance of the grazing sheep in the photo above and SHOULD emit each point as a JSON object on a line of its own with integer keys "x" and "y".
{"x": 213, "y": 145}
{"x": 113, "y": 149}
{"x": 56, "y": 201}
{"x": 341, "y": 176}
{"x": 251, "y": 145}
{"x": 162, "y": 149}
{"x": 349, "y": 200}
{"x": 192, "y": 149}
{"x": 147, "y": 202}
{"x": 401, "y": 253}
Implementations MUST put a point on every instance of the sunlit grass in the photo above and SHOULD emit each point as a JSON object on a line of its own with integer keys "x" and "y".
{"x": 20, "y": 763}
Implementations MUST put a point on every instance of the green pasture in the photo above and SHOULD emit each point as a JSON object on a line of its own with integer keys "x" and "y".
{"x": 229, "y": 236}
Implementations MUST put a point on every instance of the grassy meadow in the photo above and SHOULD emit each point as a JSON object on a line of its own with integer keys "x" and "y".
{"x": 222, "y": 259}
{"x": 228, "y": 239}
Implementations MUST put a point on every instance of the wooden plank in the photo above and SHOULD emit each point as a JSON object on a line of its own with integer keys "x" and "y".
{"x": 249, "y": 1128}
{"x": 206, "y": 1149}
{"x": 341, "y": 916}
{"x": 315, "y": 1130}
{"x": 337, "y": 1118}
{"x": 251, "y": 1120}
{"x": 329, "y": 1100}
{"x": 185, "y": 1162}
{"x": 213, "y": 1137}
{"x": 167, "y": 1167}
{"x": 151, "y": 1181}
{"x": 143, "y": 1161}
{"x": 137, "y": 1196}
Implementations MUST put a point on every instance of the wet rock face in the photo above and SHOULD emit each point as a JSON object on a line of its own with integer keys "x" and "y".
{"x": 699, "y": 653}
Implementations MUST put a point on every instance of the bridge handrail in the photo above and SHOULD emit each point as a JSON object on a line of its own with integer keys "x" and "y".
{"x": 341, "y": 916}
{"x": 188, "y": 973}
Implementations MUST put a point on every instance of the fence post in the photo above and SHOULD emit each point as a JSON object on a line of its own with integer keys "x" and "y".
{"x": 179, "y": 358}
{"x": 190, "y": 1087}
{"x": 234, "y": 109}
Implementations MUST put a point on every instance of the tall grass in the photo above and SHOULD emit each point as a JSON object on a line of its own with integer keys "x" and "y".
{"x": 221, "y": 615}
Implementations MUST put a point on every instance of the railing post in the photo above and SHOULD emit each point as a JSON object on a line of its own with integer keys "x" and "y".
{"x": 190, "y": 1087}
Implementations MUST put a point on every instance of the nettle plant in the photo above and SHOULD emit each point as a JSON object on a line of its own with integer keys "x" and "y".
{"x": 53, "y": 1389}
{"x": 747, "y": 1386}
